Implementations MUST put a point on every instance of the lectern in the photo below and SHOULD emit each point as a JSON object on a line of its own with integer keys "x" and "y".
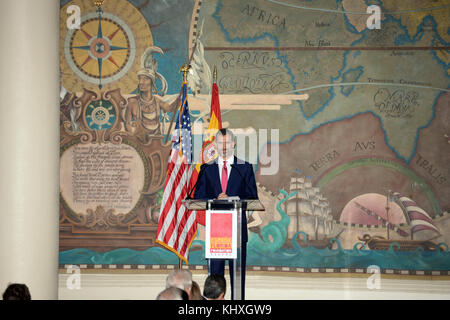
{"x": 223, "y": 238}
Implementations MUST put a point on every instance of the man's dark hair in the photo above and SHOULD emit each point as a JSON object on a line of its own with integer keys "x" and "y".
{"x": 17, "y": 291}
{"x": 225, "y": 132}
{"x": 215, "y": 284}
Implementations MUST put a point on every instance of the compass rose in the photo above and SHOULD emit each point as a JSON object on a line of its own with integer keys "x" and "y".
{"x": 103, "y": 53}
{"x": 101, "y": 47}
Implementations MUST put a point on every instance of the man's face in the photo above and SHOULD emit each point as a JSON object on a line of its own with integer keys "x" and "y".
{"x": 145, "y": 83}
{"x": 225, "y": 145}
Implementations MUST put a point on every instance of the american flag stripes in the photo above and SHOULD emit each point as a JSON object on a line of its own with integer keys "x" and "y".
{"x": 177, "y": 226}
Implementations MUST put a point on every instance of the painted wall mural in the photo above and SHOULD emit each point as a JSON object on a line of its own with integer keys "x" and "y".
{"x": 350, "y": 126}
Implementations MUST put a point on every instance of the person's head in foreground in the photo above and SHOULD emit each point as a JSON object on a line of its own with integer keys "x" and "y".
{"x": 196, "y": 292}
{"x": 180, "y": 279}
{"x": 215, "y": 287}
{"x": 172, "y": 293}
{"x": 17, "y": 291}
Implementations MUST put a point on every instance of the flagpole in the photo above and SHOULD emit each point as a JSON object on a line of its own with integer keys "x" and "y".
{"x": 215, "y": 74}
{"x": 185, "y": 70}
{"x": 171, "y": 122}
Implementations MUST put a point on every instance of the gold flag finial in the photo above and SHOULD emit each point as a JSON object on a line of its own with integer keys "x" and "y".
{"x": 215, "y": 74}
{"x": 185, "y": 69}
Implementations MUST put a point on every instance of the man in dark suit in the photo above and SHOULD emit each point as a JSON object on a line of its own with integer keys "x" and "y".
{"x": 227, "y": 176}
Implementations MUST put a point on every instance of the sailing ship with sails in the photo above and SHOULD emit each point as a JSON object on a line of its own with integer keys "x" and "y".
{"x": 309, "y": 212}
{"x": 417, "y": 219}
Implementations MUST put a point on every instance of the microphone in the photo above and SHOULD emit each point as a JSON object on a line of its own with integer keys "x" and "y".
{"x": 246, "y": 184}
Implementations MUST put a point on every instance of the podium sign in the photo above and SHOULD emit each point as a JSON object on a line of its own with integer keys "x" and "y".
{"x": 223, "y": 238}
{"x": 221, "y": 234}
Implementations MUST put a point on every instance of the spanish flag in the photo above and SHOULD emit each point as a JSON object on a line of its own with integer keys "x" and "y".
{"x": 209, "y": 153}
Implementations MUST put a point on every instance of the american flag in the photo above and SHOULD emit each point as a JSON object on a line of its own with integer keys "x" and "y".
{"x": 177, "y": 226}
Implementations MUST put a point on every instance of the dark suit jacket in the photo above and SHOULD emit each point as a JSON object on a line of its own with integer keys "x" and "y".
{"x": 209, "y": 186}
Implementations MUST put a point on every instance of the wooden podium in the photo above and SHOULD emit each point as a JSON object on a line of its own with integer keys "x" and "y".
{"x": 223, "y": 238}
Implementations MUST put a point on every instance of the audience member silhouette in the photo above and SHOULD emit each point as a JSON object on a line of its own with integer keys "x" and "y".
{"x": 196, "y": 293}
{"x": 173, "y": 293}
{"x": 17, "y": 291}
{"x": 181, "y": 279}
{"x": 215, "y": 287}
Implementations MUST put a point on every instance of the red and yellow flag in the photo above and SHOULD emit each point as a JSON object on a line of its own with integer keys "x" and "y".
{"x": 209, "y": 151}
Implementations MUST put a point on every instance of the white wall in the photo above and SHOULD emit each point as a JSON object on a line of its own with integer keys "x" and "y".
{"x": 138, "y": 286}
{"x": 29, "y": 131}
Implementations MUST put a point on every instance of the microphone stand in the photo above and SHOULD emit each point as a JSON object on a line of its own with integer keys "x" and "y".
{"x": 193, "y": 188}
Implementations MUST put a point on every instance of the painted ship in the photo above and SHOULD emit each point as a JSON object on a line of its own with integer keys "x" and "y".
{"x": 417, "y": 219}
{"x": 310, "y": 215}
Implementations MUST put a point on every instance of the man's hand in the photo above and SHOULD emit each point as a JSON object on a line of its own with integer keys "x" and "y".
{"x": 223, "y": 195}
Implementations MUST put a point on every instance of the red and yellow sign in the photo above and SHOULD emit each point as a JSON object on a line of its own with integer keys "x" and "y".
{"x": 220, "y": 240}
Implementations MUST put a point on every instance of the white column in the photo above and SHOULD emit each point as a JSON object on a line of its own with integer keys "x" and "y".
{"x": 29, "y": 154}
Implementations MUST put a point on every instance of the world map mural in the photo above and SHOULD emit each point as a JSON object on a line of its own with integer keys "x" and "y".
{"x": 346, "y": 125}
